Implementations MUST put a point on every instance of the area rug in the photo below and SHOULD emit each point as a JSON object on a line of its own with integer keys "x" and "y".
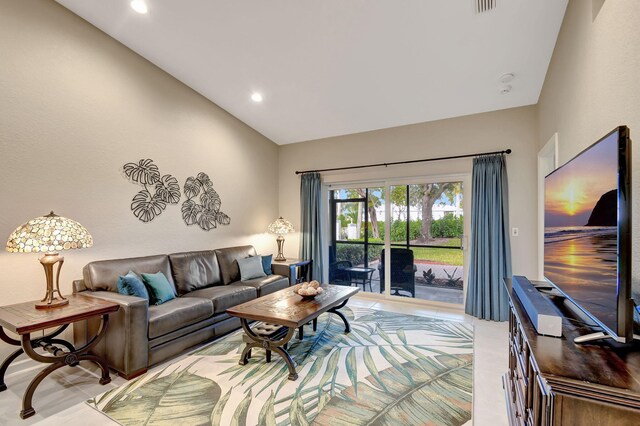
{"x": 392, "y": 369}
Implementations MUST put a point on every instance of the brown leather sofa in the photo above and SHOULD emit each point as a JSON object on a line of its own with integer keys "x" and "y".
{"x": 139, "y": 335}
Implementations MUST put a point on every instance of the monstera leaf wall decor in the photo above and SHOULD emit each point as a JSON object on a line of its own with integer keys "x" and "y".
{"x": 202, "y": 205}
{"x": 147, "y": 205}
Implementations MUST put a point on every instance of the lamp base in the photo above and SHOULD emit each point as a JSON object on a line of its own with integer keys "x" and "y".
{"x": 55, "y": 303}
{"x": 50, "y": 299}
{"x": 280, "y": 257}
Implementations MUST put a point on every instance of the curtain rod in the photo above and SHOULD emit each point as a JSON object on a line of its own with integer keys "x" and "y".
{"x": 453, "y": 157}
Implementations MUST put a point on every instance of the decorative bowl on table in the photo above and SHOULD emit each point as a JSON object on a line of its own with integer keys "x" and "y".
{"x": 308, "y": 290}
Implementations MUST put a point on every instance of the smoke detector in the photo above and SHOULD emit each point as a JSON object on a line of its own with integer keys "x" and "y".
{"x": 484, "y": 5}
{"x": 506, "y": 78}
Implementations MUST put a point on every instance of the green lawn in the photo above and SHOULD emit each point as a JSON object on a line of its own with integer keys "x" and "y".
{"x": 440, "y": 255}
{"x": 449, "y": 242}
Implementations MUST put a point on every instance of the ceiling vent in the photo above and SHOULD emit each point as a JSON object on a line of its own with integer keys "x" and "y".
{"x": 485, "y": 5}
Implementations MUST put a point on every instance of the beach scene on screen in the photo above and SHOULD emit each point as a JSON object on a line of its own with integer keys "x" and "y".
{"x": 580, "y": 241}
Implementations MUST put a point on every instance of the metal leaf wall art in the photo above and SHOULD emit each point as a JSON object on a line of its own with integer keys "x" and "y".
{"x": 202, "y": 206}
{"x": 147, "y": 205}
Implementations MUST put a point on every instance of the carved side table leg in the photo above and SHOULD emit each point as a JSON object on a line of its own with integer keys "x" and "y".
{"x": 5, "y": 365}
{"x": 105, "y": 378}
{"x": 9, "y": 359}
{"x": 27, "y": 407}
{"x": 60, "y": 358}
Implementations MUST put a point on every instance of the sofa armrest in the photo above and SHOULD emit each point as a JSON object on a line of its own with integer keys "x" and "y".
{"x": 78, "y": 286}
{"x": 279, "y": 269}
{"x": 125, "y": 345}
{"x": 286, "y": 271}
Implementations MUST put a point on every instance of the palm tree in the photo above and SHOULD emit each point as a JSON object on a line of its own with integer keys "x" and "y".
{"x": 374, "y": 202}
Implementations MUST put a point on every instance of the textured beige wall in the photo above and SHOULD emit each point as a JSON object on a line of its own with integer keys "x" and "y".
{"x": 513, "y": 128}
{"x": 593, "y": 85}
{"x": 75, "y": 105}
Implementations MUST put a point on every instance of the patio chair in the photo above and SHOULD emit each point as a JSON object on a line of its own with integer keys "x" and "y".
{"x": 338, "y": 273}
{"x": 403, "y": 272}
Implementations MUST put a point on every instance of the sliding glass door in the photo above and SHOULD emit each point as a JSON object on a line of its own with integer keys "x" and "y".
{"x": 427, "y": 228}
{"x": 357, "y": 215}
{"x": 421, "y": 227}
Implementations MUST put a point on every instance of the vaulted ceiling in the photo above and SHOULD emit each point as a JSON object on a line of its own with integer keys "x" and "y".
{"x": 333, "y": 67}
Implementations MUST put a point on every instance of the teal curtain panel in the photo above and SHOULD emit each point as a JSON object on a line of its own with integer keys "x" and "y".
{"x": 311, "y": 222}
{"x": 490, "y": 257}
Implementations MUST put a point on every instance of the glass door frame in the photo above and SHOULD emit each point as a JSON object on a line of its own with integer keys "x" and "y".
{"x": 386, "y": 184}
{"x": 333, "y": 219}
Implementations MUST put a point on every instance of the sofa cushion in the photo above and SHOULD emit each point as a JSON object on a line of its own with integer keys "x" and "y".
{"x": 266, "y": 285}
{"x": 224, "y": 297}
{"x": 251, "y": 267}
{"x": 103, "y": 274}
{"x": 132, "y": 285}
{"x": 177, "y": 313}
{"x": 266, "y": 264}
{"x": 160, "y": 290}
{"x": 228, "y": 260}
{"x": 195, "y": 269}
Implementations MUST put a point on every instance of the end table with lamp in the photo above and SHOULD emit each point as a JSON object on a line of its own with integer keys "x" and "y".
{"x": 29, "y": 323}
{"x": 281, "y": 265}
{"x": 48, "y": 235}
{"x": 280, "y": 227}
{"x": 289, "y": 268}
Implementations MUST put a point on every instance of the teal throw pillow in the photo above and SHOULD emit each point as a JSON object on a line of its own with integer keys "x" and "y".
{"x": 132, "y": 285}
{"x": 266, "y": 264}
{"x": 159, "y": 287}
{"x": 251, "y": 267}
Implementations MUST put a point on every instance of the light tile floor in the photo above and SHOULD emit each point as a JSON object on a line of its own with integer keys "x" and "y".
{"x": 59, "y": 398}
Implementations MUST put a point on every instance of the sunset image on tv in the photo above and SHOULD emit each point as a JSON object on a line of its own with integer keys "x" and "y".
{"x": 580, "y": 245}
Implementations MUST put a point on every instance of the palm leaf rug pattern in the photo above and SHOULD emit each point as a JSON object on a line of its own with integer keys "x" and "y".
{"x": 392, "y": 369}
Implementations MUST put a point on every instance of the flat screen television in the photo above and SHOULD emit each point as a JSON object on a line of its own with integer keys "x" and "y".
{"x": 587, "y": 236}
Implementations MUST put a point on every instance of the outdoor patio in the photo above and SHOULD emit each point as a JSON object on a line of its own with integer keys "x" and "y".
{"x": 423, "y": 291}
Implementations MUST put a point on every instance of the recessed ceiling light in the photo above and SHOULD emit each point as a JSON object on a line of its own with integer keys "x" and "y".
{"x": 256, "y": 97}
{"x": 505, "y": 89}
{"x": 505, "y": 78}
{"x": 139, "y": 6}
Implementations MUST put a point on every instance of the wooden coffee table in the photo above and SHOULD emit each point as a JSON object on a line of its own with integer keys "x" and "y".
{"x": 281, "y": 313}
{"x": 24, "y": 319}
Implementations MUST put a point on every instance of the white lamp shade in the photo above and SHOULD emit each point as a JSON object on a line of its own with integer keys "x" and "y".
{"x": 280, "y": 226}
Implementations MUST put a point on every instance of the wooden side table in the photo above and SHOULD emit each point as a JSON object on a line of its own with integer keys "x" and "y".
{"x": 24, "y": 319}
{"x": 290, "y": 267}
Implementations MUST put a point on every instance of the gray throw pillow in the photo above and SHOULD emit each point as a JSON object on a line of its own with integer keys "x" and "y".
{"x": 251, "y": 267}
